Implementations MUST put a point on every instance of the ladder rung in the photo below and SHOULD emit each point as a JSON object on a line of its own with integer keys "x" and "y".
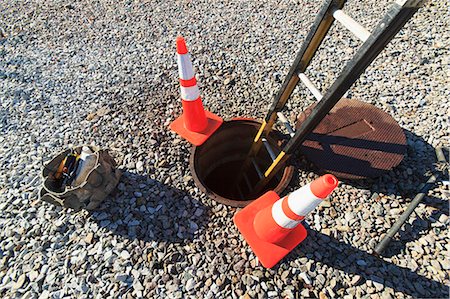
{"x": 286, "y": 123}
{"x": 316, "y": 93}
{"x": 258, "y": 171}
{"x": 358, "y": 30}
{"x": 269, "y": 149}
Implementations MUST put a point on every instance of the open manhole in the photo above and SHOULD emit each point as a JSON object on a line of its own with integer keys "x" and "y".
{"x": 216, "y": 163}
{"x": 355, "y": 140}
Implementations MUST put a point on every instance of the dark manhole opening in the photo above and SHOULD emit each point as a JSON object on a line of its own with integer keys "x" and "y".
{"x": 216, "y": 163}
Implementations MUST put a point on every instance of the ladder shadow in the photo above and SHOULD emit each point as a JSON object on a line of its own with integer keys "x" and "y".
{"x": 397, "y": 184}
{"x": 353, "y": 261}
{"x": 326, "y": 147}
{"x": 328, "y": 140}
{"x": 419, "y": 158}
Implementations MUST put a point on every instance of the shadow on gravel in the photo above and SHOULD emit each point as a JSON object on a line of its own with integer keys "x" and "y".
{"x": 145, "y": 209}
{"x": 400, "y": 184}
{"x": 402, "y": 180}
{"x": 415, "y": 230}
{"x": 343, "y": 256}
{"x": 405, "y": 178}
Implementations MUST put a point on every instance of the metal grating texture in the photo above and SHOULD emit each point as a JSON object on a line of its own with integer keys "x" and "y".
{"x": 355, "y": 140}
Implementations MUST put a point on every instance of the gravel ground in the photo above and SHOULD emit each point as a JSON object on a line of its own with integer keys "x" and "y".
{"x": 103, "y": 72}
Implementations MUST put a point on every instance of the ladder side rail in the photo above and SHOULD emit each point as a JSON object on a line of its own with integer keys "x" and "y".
{"x": 317, "y": 33}
{"x": 386, "y": 29}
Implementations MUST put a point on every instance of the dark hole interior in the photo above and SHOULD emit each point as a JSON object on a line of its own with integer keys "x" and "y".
{"x": 219, "y": 181}
{"x": 219, "y": 160}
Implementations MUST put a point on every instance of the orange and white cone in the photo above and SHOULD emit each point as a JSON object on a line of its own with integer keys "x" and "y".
{"x": 272, "y": 226}
{"x": 195, "y": 124}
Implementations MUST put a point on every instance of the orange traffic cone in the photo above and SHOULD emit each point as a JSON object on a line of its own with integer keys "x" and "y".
{"x": 271, "y": 226}
{"x": 195, "y": 124}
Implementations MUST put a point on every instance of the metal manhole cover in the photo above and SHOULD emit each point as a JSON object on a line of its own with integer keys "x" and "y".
{"x": 355, "y": 140}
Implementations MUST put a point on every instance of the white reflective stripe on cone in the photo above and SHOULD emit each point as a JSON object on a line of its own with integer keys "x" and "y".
{"x": 190, "y": 93}
{"x": 303, "y": 201}
{"x": 185, "y": 69}
{"x": 280, "y": 218}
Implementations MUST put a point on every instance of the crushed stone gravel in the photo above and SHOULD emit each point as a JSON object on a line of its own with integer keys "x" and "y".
{"x": 104, "y": 72}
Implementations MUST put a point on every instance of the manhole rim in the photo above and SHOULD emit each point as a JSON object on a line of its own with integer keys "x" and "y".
{"x": 286, "y": 178}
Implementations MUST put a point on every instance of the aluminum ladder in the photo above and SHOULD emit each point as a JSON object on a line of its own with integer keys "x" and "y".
{"x": 372, "y": 44}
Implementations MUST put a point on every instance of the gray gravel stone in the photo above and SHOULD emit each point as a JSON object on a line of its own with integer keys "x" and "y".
{"x": 305, "y": 278}
{"x": 20, "y": 282}
{"x": 125, "y": 255}
{"x": 104, "y": 73}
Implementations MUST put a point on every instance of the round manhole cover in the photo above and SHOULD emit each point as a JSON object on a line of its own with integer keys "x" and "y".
{"x": 355, "y": 140}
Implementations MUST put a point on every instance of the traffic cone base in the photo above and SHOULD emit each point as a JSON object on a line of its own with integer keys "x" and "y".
{"x": 269, "y": 254}
{"x": 197, "y": 138}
